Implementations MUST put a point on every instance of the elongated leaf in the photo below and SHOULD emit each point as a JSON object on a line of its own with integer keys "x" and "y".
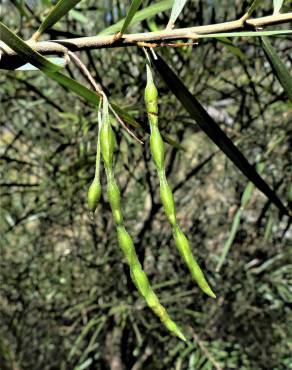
{"x": 245, "y": 34}
{"x": 248, "y": 191}
{"x": 177, "y": 8}
{"x": 29, "y": 67}
{"x": 213, "y": 131}
{"x": 25, "y": 51}
{"x": 278, "y": 67}
{"x": 59, "y": 10}
{"x": 255, "y": 4}
{"x": 277, "y": 6}
{"x": 232, "y": 48}
{"x": 130, "y": 15}
{"x": 140, "y": 16}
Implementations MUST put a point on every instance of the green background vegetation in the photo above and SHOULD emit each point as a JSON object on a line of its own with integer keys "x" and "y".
{"x": 66, "y": 298}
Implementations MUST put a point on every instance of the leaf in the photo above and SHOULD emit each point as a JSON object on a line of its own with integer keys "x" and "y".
{"x": 255, "y": 4}
{"x": 278, "y": 67}
{"x": 25, "y": 51}
{"x": 244, "y": 34}
{"x": 59, "y": 10}
{"x": 78, "y": 16}
{"x": 248, "y": 191}
{"x": 141, "y": 15}
{"x": 232, "y": 48}
{"x": 131, "y": 13}
{"x": 213, "y": 131}
{"x": 177, "y": 8}
{"x": 277, "y": 6}
{"x": 29, "y": 67}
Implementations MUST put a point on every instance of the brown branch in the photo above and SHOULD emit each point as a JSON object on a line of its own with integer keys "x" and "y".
{"x": 111, "y": 41}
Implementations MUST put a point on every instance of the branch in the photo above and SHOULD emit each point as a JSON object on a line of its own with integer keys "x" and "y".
{"x": 9, "y": 58}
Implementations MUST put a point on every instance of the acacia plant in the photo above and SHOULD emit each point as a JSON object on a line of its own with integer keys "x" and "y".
{"x": 53, "y": 57}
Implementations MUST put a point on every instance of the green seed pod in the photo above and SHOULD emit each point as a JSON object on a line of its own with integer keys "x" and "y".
{"x": 157, "y": 151}
{"x": 114, "y": 199}
{"x": 93, "y": 195}
{"x": 157, "y": 148}
{"x": 167, "y": 201}
{"x": 107, "y": 142}
{"x": 125, "y": 241}
{"x": 127, "y": 246}
{"x": 142, "y": 283}
{"x": 185, "y": 251}
{"x": 140, "y": 279}
{"x": 151, "y": 95}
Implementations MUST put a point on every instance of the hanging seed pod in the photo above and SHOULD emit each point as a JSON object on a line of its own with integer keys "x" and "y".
{"x": 167, "y": 201}
{"x": 182, "y": 244}
{"x": 107, "y": 137}
{"x": 157, "y": 151}
{"x": 124, "y": 239}
{"x": 114, "y": 199}
{"x": 93, "y": 195}
{"x": 142, "y": 283}
{"x": 94, "y": 191}
{"x": 157, "y": 147}
{"x": 151, "y": 95}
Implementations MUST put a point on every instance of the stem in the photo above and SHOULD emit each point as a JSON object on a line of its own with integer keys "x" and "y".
{"x": 98, "y": 42}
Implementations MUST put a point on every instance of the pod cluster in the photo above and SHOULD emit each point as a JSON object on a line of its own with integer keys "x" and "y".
{"x": 107, "y": 144}
{"x": 157, "y": 151}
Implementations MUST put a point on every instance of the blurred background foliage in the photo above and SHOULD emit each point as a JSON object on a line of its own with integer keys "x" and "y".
{"x": 66, "y": 298}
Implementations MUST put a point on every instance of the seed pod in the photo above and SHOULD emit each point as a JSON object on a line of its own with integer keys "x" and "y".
{"x": 151, "y": 95}
{"x": 167, "y": 201}
{"x": 185, "y": 251}
{"x": 93, "y": 195}
{"x": 142, "y": 283}
{"x": 157, "y": 147}
{"x": 107, "y": 137}
{"x": 157, "y": 151}
{"x": 114, "y": 199}
{"x": 140, "y": 279}
{"x": 107, "y": 141}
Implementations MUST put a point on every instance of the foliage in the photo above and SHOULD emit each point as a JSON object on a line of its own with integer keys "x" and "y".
{"x": 67, "y": 300}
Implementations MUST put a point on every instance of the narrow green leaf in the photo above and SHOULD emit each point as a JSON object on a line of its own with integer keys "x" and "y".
{"x": 278, "y": 67}
{"x": 78, "y": 16}
{"x": 20, "y": 7}
{"x": 255, "y": 4}
{"x": 248, "y": 191}
{"x": 245, "y": 34}
{"x": 29, "y": 67}
{"x": 213, "y": 131}
{"x": 177, "y": 8}
{"x": 277, "y": 6}
{"x": 59, "y": 10}
{"x": 131, "y": 13}
{"x": 25, "y": 51}
{"x": 232, "y": 48}
{"x": 229, "y": 241}
{"x": 140, "y": 16}
{"x": 74, "y": 86}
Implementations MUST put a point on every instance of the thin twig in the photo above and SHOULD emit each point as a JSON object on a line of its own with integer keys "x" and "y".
{"x": 85, "y": 73}
{"x": 124, "y": 125}
{"x": 97, "y": 42}
{"x": 99, "y": 91}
